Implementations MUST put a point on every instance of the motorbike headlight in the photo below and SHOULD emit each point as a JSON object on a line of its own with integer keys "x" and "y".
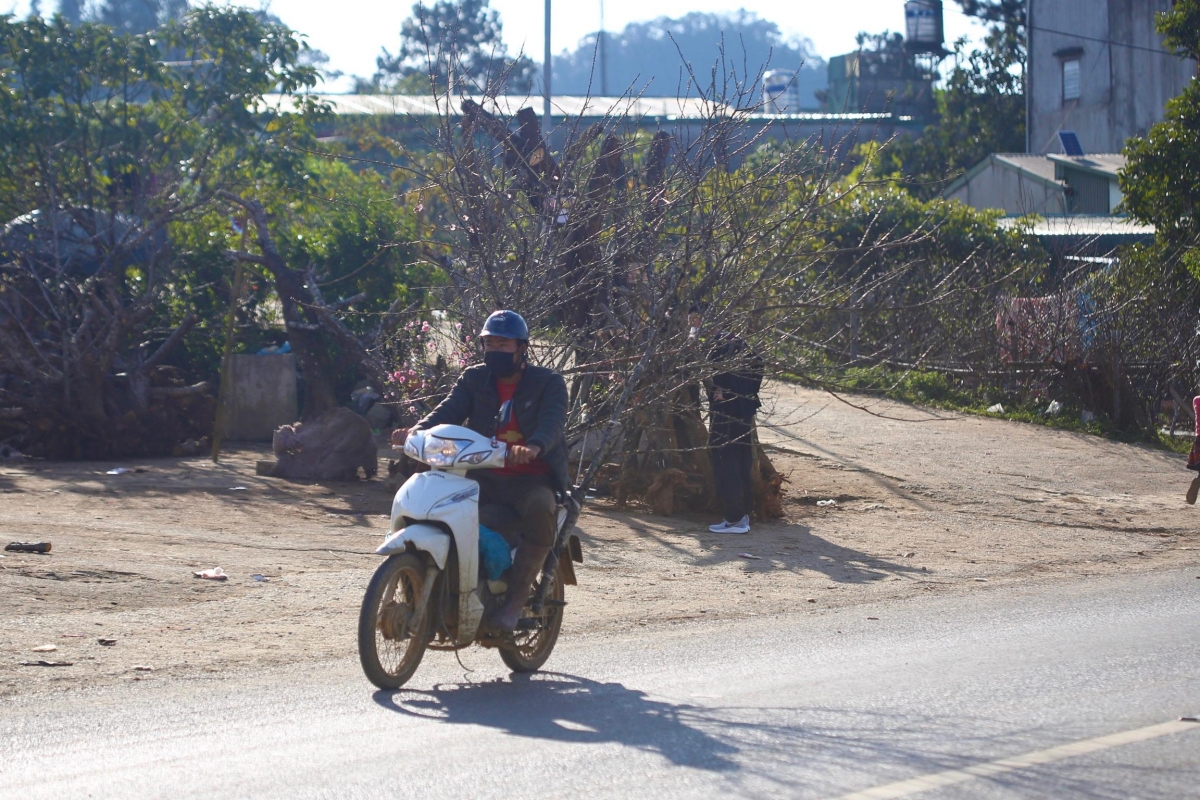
{"x": 440, "y": 452}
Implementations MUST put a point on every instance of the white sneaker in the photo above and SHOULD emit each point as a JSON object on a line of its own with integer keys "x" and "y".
{"x": 724, "y": 526}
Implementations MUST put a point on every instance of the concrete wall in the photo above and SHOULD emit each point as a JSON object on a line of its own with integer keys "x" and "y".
{"x": 261, "y": 395}
{"x": 1003, "y": 188}
{"x": 1123, "y": 90}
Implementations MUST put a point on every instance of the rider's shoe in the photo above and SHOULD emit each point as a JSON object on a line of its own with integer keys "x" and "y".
{"x": 724, "y": 526}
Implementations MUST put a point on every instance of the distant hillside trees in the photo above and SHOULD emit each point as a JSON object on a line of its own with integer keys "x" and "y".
{"x": 655, "y": 57}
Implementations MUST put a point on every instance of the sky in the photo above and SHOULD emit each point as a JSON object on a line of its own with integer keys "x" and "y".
{"x": 352, "y": 32}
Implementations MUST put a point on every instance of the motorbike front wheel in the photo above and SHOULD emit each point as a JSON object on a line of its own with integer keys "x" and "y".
{"x": 390, "y": 642}
{"x": 532, "y": 647}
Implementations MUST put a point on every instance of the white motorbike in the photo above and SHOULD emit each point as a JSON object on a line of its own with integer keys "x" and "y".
{"x": 430, "y": 593}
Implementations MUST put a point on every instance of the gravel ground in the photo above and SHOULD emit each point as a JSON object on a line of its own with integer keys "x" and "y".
{"x": 925, "y": 502}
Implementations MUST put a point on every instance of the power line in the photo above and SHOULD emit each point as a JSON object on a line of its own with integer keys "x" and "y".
{"x": 1111, "y": 42}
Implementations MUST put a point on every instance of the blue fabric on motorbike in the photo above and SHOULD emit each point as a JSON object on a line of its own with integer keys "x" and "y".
{"x": 493, "y": 552}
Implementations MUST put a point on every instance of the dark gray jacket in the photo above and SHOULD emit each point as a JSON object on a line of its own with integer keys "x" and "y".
{"x": 539, "y": 403}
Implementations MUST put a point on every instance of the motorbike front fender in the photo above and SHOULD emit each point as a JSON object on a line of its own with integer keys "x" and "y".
{"x": 425, "y": 538}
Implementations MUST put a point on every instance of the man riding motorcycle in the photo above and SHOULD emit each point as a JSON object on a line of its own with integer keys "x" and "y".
{"x": 526, "y": 407}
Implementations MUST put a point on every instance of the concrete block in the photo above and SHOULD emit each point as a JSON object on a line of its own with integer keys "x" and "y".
{"x": 262, "y": 396}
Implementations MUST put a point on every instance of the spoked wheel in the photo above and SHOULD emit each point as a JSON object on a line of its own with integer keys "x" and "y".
{"x": 536, "y": 635}
{"x": 390, "y": 642}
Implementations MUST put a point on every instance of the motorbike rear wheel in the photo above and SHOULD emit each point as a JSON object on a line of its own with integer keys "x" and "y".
{"x": 532, "y": 647}
{"x": 390, "y": 643}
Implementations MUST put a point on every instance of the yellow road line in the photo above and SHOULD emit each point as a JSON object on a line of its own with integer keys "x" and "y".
{"x": 951, "y": 777}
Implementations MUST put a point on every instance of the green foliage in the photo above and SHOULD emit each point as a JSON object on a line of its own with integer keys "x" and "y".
{"x": 1180, "y": 28}
{"x": 93, "y": 122}
{"x": 946, "y": 266}
{"x": 114, "y": 152}
{"x": 94, "y": 119}
{"x": 924, "y": 236}
{"x": 1008, "y": 19}
{"x": 981, "y": 110}
{"x": 922, "y": 387}
{"x": 356, "y": 237}
{"x": 347, "y": 226}
{"x": 973, "y": 394}
{"x": 900, "y": 280}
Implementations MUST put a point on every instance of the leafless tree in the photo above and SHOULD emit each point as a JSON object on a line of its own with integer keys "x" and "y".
{"x": 607, "y": 239}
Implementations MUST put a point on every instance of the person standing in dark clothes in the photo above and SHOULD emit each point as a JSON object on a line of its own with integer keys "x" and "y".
{"x": 733, "y": 402}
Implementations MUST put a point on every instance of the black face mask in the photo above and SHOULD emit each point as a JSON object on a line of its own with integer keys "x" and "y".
{"x": 501, "y": 365}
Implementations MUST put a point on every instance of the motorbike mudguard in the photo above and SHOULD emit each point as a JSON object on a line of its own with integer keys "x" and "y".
{"x": 426, "y": 538}
{"x": 574, "y": 552}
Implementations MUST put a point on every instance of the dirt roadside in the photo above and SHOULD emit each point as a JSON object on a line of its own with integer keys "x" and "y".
{"x": 926, "y": 502}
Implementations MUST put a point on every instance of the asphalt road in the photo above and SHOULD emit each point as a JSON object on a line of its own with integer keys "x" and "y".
{"x": 1055, "y": 692}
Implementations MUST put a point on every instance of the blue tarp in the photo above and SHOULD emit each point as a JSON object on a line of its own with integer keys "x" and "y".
{"x": 494, "y": 552}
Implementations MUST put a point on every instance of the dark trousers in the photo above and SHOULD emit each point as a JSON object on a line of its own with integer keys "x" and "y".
{"x": 732, "y": 457}
{"x": 521, "y": 508}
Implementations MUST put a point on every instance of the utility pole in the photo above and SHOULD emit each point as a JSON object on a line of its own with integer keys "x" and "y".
{"x": 546, "y": 76}
{"x": 603, "y": 55}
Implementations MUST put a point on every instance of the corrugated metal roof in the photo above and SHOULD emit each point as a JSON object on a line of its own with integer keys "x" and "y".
{"x": 1082, "y": 225}
{"x": 1106, "y": 164}
{"x": 673, "y": 108}
{"x": 508, "y": 105}
{"x": 1036, "y": 165}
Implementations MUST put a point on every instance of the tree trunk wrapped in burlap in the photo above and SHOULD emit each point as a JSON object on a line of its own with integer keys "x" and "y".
{"x": 332, "y": 447}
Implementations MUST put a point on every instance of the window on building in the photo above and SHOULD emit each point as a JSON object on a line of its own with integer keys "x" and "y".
{"x": 1070, "y": 75}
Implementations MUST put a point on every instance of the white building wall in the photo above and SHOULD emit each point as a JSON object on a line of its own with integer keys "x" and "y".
{"x": 1123, "y": 90}
{"x": 1006, "y": 189}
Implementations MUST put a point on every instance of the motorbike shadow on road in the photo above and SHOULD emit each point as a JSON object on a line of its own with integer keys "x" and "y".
{"x": 568, "y": 708}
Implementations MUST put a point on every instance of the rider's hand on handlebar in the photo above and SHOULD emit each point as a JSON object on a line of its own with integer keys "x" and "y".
{"x": 523, "y": 454}
{"x": 399, "y": 436}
